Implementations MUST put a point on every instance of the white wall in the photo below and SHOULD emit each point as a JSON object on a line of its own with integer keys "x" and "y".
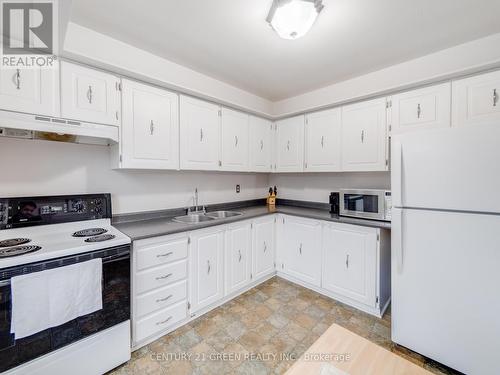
{"x": 97, "y": 49}
{"x": 316, "y": 187}
{"x": 47, "y": 168}
{"x": 449, "y": 63}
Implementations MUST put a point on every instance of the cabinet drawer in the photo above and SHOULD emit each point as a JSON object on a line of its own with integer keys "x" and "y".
{"x": 161, "y": 298}
{"x": 158, "y": 254}
{"x": 160, "y": 321}
{"x": 160, "y": 276}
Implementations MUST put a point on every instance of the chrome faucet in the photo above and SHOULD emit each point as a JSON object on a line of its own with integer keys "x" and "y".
{"x": 195, "y": 209}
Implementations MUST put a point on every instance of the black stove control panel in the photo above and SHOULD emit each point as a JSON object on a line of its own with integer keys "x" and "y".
{"x": 27, "y": 211}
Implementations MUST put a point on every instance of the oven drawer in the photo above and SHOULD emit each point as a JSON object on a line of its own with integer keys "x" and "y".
{"x": 160, "y": 276}
{"x": 160, "y": 321}
{"x": 153, "y": 255}
{"x": 161, "y": 298}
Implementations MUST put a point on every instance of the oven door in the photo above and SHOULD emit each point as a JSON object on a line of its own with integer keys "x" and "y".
{"x": 115, "y": 299}
{"x": 366, "y": 204}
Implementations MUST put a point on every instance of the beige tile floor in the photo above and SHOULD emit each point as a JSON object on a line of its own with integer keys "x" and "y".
{"x": 263, "y": 331}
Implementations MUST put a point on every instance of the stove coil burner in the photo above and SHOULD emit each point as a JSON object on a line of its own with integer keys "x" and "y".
{"x": 89, "y": 232}
{"x": 18, "y": 250}
{"x": 102, "y": 237}
{"x": 14, "y": 242}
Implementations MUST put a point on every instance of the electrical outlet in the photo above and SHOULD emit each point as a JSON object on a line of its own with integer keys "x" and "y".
{"x": 238, "y": 189}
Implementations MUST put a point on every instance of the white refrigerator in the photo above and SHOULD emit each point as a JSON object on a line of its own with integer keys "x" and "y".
{"x": 446, "y": 246}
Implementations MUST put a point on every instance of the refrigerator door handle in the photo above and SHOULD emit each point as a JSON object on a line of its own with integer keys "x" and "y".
{"x": 397, "y": 237}
{"x": 397, "y": 175}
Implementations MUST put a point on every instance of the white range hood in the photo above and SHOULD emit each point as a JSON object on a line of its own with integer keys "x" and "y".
{"x": 30, "y": 126}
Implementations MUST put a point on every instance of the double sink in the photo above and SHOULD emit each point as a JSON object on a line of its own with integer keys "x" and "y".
{"x": 196, "y": 218}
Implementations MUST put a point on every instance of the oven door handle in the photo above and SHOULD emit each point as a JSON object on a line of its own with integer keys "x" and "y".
{"x": 115, "y": 258}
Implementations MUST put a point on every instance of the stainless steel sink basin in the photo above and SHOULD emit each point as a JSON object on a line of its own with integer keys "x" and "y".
{"x": 223, "y": 214}
{"x": 192, "y": 219}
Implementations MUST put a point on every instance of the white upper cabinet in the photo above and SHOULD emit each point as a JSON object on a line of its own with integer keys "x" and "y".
{"x": 350, "y": 262}
{"x": 476, "y": 100}
{"x": 238, "y": 254}
{"x": 289, "y": 151}
{"x": 426, "y": 108}
{"x": 234, "y": 140}
{"x": 30, "y": 90}
{"x": 323, "y": 141}
{"x": 150, "y": 127}
{"x": 364, "y": 136}
{"x": 89, "y": 95}
{"x": 200, "y": 124}
{"x": 261, "y": 141}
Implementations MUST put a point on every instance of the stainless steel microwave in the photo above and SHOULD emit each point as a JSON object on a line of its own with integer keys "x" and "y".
{"x": 366, "y": 203}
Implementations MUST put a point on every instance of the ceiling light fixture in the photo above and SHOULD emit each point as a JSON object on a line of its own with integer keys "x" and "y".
{"x": 292, "y": 19}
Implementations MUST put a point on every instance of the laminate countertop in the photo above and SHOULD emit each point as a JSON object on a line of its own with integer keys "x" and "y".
{"x": 145, "y": 226}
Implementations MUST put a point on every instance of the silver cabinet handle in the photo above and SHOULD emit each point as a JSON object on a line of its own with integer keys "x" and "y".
{"x": 151, "y": 127}
{"x": 208, "y": 267}
{"x": 288, "y": 145}
{"x": 239, "y": 260}
{"x": 362, "y": 136}
{"x": 165, "y": 255}
{"x": 235, "y": 141}
{"x": 164, "y": 277}
{"x": 201, "y": 134}
{"x": 261, "y": 144}
{"x": 347, "y": 261}
{"x": 300, "y": 249}
{"x": 89, "y": 94}
{"x": 164, "y": 299}
{"x": 495, "y": 97}
{"x": 18, "y": 79}
{"x": 419, "y": 110}
{"x": 164, "y": 321}
{"x": 322, "y": 141}
{"x": 265, "y": 246}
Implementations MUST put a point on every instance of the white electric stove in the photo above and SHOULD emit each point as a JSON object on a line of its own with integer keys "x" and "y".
{"x": 43, "y": 233}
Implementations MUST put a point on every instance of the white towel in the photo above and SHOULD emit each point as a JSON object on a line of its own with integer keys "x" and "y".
{"x": 46, "y": 299}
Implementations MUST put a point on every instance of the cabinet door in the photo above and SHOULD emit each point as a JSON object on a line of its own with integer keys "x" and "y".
{"x": 476, "y": 100}
{"x": 290, "y": 145}
{"x": 150, "y": 128}
{"x": 199, "y": 134}
{"x": 238, "y": 264}
{"x": 364, "y": 136}
{"x": 263, "y": 247}
{"x": 422, "y": 109}
{"x": 261, "y": 141}
{"x": 323, "y": 141}
{"x": 206, "y": 268}
{"x": 30, "y": 90}
{"x": 89, "y": 95}
{"x": 302, "y": 251}
{"x": 350, "y": 262}
{"x": 234, "y": 140}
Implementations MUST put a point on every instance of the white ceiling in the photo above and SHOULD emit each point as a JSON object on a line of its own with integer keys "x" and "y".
{"x": 230, "y": 40}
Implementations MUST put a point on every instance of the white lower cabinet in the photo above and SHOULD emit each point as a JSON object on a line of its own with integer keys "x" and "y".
{"x": 159, "y": 285}
{"x": 301, "y": 249}
{"x": 349, "y": 262}
{"x": 176, "y": 278}
{"x": 206, "y": 267}
{"x": 238, "y": 256}
{"x": 263, "y": 248}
